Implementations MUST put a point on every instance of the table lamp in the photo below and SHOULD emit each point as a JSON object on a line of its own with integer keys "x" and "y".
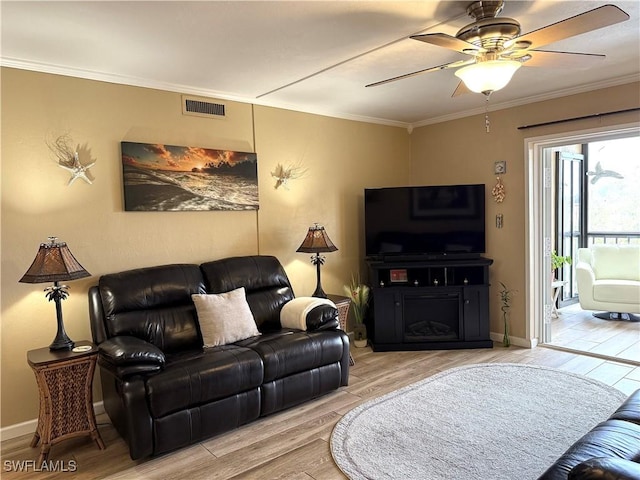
{"x": 317, "y": 241}
{"x": 54, "y": 262}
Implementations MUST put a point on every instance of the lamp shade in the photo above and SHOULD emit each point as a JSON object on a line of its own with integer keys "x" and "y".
{"x": 54, "y": 262}
{"x": 488, "y": 76}
{"x": 317, "y": 241}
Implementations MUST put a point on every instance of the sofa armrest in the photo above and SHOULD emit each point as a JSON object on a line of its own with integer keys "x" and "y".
{"x": 309, "y": 313}
{"x": 96, "y": 316}
{"x": 586, "y": 269}
{"x": 125, "y": 355}
{"x": 323, "y": 317}
{"x": 629, "y": 411}
{"x": 605, "y": 468}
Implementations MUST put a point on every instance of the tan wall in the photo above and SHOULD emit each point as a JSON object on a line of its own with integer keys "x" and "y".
{"x": 340, "y": 157}
{"x": 461, "y": 151}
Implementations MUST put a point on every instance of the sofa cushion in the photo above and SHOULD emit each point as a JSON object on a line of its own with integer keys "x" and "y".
{"x": 265, "y": 281}
{"x": 224, "y": 317}
{"x": 291, "y": 351}
{"x": 616, "y": 291}
{"x": 153, "y": 304}
{"x": 196, "y": 378}
{"x": 620, "y": 262}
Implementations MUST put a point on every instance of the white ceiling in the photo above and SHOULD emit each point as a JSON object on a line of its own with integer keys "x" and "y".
{"x": 312, "y": 56}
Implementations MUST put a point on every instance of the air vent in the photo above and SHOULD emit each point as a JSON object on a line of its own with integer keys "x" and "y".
{"x": 202, "y": 107}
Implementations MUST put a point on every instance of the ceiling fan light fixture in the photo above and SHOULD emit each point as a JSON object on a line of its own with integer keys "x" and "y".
{"x": 489, "y": 76}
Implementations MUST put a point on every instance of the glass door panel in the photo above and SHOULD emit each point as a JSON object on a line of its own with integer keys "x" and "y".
{"x": 569, "y": 219}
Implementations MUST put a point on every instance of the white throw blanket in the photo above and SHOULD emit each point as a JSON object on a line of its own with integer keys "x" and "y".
{"x": 294, "y": 313}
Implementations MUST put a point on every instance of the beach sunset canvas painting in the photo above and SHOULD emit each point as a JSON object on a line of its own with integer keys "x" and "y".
{"x": 173, "y": 178}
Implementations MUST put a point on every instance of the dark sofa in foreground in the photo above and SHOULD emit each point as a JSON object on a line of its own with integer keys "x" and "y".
{"x": 610, "y": 451}
{"x": 163, "y": 390}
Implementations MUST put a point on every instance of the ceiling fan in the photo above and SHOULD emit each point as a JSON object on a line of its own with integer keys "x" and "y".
{"x": 498, "y": 50}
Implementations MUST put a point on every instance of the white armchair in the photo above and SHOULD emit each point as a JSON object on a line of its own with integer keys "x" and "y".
{"x": 608, "y": 278}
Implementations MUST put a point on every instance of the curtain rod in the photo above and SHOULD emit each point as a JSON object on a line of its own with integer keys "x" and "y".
{"x": 577, "y": 118}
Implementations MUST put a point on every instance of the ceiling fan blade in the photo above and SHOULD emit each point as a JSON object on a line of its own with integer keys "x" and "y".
{"x": 543, "y": 58}
{"x": 585, "y": 22}
{"x": 459, "y": 63}
{"x": 452, "y": 43}
{"x": 461, "y": 89}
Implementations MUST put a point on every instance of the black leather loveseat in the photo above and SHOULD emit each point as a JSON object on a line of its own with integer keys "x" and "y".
{"x": 610, "y": 451}
{"x": 163, "y": 390}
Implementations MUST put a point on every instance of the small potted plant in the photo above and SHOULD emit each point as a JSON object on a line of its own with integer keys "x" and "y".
{"x": 359, "y": 295}
{"x": 558, "y": 261}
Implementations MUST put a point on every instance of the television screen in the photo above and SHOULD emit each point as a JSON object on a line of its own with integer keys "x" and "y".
{"x": 430, "y": 220}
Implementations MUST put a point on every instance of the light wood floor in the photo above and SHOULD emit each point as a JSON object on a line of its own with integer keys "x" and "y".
{"x": 294, "y": 445}
{"x": 579, "y": 330}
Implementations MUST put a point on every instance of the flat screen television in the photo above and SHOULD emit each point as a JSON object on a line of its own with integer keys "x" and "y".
{"x": 437, "y": 221}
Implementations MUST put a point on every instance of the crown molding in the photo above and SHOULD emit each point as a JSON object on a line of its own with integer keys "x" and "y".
{"x": 189, "y": 90}
{"x": 613, "y": 82}
{"x": 183, "y": 89}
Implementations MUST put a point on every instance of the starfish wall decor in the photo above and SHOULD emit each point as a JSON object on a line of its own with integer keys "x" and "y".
{"x": 69, "y": 159}
{"x": 78, "y": 170}
{"x": 283, "y": 174}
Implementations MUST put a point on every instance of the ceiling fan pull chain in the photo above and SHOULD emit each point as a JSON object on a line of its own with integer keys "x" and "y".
{"x": 486, "y": 113}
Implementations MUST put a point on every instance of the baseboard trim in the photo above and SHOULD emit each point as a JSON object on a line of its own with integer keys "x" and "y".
{"x": 29, "y": 427}
{"x": 516, "y": 341}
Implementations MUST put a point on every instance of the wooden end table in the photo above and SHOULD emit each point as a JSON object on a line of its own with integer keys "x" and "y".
{"x": 65, "y": 379}
{"x": 343, "y": 304}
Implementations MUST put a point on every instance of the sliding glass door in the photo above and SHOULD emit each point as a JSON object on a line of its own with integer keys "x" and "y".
{"x": 569, "y": 224}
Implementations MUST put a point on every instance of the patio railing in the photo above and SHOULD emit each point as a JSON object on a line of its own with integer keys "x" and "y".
{"x": 618, "y": 238}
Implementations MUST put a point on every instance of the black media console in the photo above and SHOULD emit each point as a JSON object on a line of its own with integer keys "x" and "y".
{"x": 430, "y": 305}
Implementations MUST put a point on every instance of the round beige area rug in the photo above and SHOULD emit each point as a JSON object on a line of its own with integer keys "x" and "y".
{"x": 484, "y": 421}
